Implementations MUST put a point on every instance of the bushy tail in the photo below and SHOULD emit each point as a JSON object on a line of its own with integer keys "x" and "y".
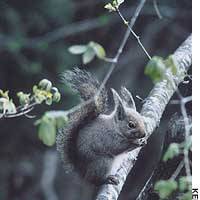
{"x": 86, "y": 85}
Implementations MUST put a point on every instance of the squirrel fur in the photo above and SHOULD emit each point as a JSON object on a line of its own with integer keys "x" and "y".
{"x": 92, "y": 139}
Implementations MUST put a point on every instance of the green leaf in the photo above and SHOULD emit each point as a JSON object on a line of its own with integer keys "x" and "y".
{"x": 119, "y": 2}
{"x": 45, "y": 92}
{"x": 114, "y": 5}
{"x": 48, "y": 125}
{"x": 35, "y": 89}
{"x": 23, "y": 98}
{"x": 77, "y": 49}
{"x": 172, "y": 151}
{"x": 9, "y": 107}
{"x": 109, "y": 7}
{"x": 171, "y": 63}
{"x": 4, "y": 94}
{"x": 187, "y": 196}
{"x": 39, "y": 97}
{"x": 165, "y": 188}
{"x": 89, "y": 51}
{"x": 185, "y": 183}
{"x": 61, "y": 121}
{"x": 155, "y": 69}
{"x": 3, "y": 101}
{"x": 56, "y": 97}
{"x": 47, "y": 131}
{"x": 98, "y": 49}
{"x": 88, "y": 56}
{"x": 49, "y": 101}
{"x": 45, "y": 84}
{"x": 157, "y": 66}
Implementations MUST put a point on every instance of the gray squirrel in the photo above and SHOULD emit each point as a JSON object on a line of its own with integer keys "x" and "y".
{"x": 92, "y": 139}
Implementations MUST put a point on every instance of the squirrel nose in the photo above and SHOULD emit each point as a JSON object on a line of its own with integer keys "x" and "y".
{"x": 140, "y": 134}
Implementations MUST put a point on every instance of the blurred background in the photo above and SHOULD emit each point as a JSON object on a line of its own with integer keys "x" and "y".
{"x": 34, "y": 41}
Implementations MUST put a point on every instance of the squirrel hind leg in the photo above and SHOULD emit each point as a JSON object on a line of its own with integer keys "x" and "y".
{"x": 98, "y": 172}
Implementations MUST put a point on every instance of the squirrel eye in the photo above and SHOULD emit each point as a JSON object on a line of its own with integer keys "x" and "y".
{"x": 131, "y": 124}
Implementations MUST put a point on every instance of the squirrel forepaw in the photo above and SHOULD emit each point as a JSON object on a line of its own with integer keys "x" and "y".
{"x": 143, "y": 142}
{"x": 112, "y": 179}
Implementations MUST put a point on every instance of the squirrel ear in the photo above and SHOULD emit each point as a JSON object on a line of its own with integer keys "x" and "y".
{"x": 128, "y": 98}
{"x": 119, "y": 108}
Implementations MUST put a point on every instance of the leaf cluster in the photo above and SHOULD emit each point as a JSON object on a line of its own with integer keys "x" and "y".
{"x": 166, "y": 188}
{"x": 157, "y": 67}
{"x": 88, "y": 51}
{"x": 114, "y": 5}
{"x": 43, "y": 92}
{"x": 49, "y": 124}
{"x": 183, "y": 184}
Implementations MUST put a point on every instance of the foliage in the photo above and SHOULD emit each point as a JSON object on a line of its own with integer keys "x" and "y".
{"x": 48, "y": 125}
{"x": 43, "y": 92}
{"x": 165, "y": 188}
{"x": 6, "y": 104}
{"x": 183, "y": 184}
{"x": 157, "y": 67}
{"x": 88, "y": 51}
{"x": 114, "y": 5}
{"x": 172, "y": 151}
{"x": 176, "y": 149}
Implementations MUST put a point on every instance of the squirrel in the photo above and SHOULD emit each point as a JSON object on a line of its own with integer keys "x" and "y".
{"x": 92, "y": 139}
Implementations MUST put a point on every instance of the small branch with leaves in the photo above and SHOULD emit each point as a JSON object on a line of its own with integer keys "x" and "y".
{"x": 43, "y": 92}
{"x": 114, "y": 6}
{"x": 178, "y": 183}
{"x": 89, "y": 51}
{"x": 92, "y": 49}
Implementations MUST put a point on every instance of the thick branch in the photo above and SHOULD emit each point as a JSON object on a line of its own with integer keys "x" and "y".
{"x": 152, "y": 112}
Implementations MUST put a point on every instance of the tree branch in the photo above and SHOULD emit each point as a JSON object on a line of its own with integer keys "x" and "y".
{"x": 152, "y": 112}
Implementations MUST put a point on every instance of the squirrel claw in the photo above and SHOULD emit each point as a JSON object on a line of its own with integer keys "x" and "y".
{"x": 112, "y": 179}
{"x": 143, "y": 142}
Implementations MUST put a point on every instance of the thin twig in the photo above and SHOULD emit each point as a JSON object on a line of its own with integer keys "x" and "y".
{"x": 184, "y": 99}
{"x": 187, "y": 131}
{"x": 178, "y": 170}
{"x": 133, "y": 33}
{"x": 20, "y": 111}
{"x": 18, "y": 114}
{"x": 122, "y": 45}
{"x": 146, "y": 184}
{"x": 155, "y": 4}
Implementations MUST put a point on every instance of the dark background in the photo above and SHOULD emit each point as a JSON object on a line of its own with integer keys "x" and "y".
{"x": 34, "y": 38}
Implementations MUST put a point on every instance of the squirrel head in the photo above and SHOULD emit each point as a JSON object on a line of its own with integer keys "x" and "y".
{"x": 127, "y": 120}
